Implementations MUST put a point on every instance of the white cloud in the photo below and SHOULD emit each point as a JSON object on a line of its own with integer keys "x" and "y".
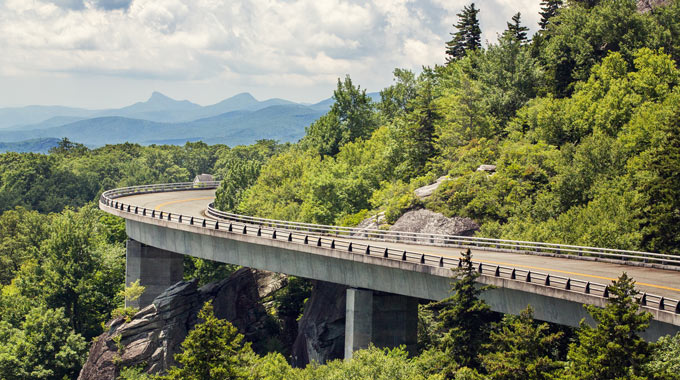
{"x": 294, "y": 47}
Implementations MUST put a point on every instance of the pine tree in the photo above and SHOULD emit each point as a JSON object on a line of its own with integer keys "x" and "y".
{"x": 516, "y": 30}
{"x": 522, "y": 349}
{"x": 464, "y": 318}
{"x": 421, "y": 124}
{"x": 613, "y": 349}
{"x": 469, "y": 35}
{"x": 549, "y": 9}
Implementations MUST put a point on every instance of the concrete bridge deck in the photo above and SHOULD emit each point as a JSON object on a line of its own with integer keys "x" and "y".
{"x": 165, "y": 222}
{"x": 651, "y": 280}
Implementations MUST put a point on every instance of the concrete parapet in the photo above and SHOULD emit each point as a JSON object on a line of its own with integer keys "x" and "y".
{"x": 359, "y": 270}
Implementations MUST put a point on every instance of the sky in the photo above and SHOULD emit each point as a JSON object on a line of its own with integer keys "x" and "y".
{"x": 111, "y": 53}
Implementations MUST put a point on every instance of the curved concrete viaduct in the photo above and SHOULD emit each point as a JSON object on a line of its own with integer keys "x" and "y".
{"x": 386, "y": 274}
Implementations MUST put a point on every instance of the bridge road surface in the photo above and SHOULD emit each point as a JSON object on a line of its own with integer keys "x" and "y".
{"x": 651, "y": 280}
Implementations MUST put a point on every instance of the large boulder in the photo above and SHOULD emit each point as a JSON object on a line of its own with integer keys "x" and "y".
{"x": 321, "y": 331}
{"x": 155, "y": 333}
{"x": 429, "y": 222}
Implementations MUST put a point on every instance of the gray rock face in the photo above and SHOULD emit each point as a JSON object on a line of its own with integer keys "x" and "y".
{"x": 647, "y": 5}
{"x": 426, "y": 191}
{"x": 321, "y": 331}
{"x": 155, "y": 333}
{"x": 429, "y": 222}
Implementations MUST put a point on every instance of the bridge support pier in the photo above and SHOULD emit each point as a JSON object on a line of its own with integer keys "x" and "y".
{"x": 386, "y": 320}
{"x": 155, "y": 268}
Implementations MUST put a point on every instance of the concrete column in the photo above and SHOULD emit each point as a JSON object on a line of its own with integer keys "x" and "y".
{"x": 358, "y": 320}
{"x": 386, "y": 320}
{"x": 156, "y": 269}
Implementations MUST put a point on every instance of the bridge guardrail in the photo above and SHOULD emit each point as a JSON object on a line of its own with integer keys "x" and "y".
{"x": 300, "y": 233}
{"x": 452, "y": 240}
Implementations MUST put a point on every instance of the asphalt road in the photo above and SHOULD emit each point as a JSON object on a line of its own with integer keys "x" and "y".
{"x": 651, "y": 280}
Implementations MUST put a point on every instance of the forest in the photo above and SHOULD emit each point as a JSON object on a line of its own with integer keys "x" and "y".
{"x": 581, "y": 121}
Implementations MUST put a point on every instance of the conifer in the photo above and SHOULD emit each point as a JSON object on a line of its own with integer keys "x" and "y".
{"x": 469, "y": 35}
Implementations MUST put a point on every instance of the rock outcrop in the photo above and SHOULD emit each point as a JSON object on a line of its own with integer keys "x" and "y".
{"x": 428, "y": 190}
{"x": 429, "y": 222}
{"x": 321, "y": 331}
{"x": 647, "y": 5}
{"x": 154, "y": 334}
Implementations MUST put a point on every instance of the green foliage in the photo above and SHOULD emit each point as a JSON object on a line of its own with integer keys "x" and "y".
{"x": 133, "y": 373}
{"x": 43, "y": 347}
{"x": 394, "y": 199}
{"x": 372, "y": 363}
{"x": 664, "y": 362}
{"x": 468, "y": 36}
{"x": 206, "y": 271}
{"x": 238, "y": 170}
{"x": 213, "y": 350}
{"x": 464, "y": 319}
{"x": 521, "y": 349}
{"x": 351, "y": 117}
{"x": 21, "y": 232}
{"x": 613, "y": 349}
{"x": 580, "y": 37}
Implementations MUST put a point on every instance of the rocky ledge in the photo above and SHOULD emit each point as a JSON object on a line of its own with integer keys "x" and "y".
{"x": 155, "y": 333}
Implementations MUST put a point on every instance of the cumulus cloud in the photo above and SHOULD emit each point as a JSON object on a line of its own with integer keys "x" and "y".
{"x": 296, "y": 43}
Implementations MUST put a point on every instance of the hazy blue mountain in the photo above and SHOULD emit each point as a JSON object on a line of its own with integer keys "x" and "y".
{"x": 157, "y": 108}
{"x": 241, "y": 119}
{"x": 34, "y": 145}
{"x": 280, "y": 122}
{"x": 49, "y": 123}
{"x": 18, "y": 116}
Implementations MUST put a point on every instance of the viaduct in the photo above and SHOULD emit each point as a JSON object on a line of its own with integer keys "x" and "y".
{"x": 387, "y": 272}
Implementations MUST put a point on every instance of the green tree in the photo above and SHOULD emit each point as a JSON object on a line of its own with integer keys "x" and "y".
{"x": 549, "y": 9}
{"x": 522, "y": 349}
{"x": 420, "y": 127}
{"x": 465, "y": 319}
{"x": 21, "y": 233}
{"x": 44, "y": 347}
{"x": 660, "y": 181}
{"x": 395, "y": 100}
{"x": 79, "y": 271}
{"x": 468, "y": 36}
{"x": 351, "y": 117}
{"x": 516, "y": 30}
{"x": 581, "y": 37}
{"x": 613, "y": 349}
{"x": 213, "y": 350}
{"x": 665, "y": 359}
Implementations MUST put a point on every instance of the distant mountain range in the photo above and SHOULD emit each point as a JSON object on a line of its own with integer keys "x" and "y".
{"x": 241, "y": 119}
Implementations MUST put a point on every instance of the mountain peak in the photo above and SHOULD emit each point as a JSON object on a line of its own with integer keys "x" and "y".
{"x": 158, "y": 97}
{"x": 243, "y": 96}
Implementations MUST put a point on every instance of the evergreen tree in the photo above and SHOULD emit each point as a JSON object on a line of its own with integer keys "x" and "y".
{"x": 549, "y": 9}
{"x": 421, "y": 125}
{"x": 469, "y": 35}
{"x": 613, "y": 349}
{"x": 522, "y": 349}
{"x": 213, "y": 350}
{"x": 464, "y": 318}
{"x": 516, "y": 30}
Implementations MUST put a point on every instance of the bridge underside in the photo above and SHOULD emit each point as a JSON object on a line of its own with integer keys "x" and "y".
{"x": 405, "y": 279}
